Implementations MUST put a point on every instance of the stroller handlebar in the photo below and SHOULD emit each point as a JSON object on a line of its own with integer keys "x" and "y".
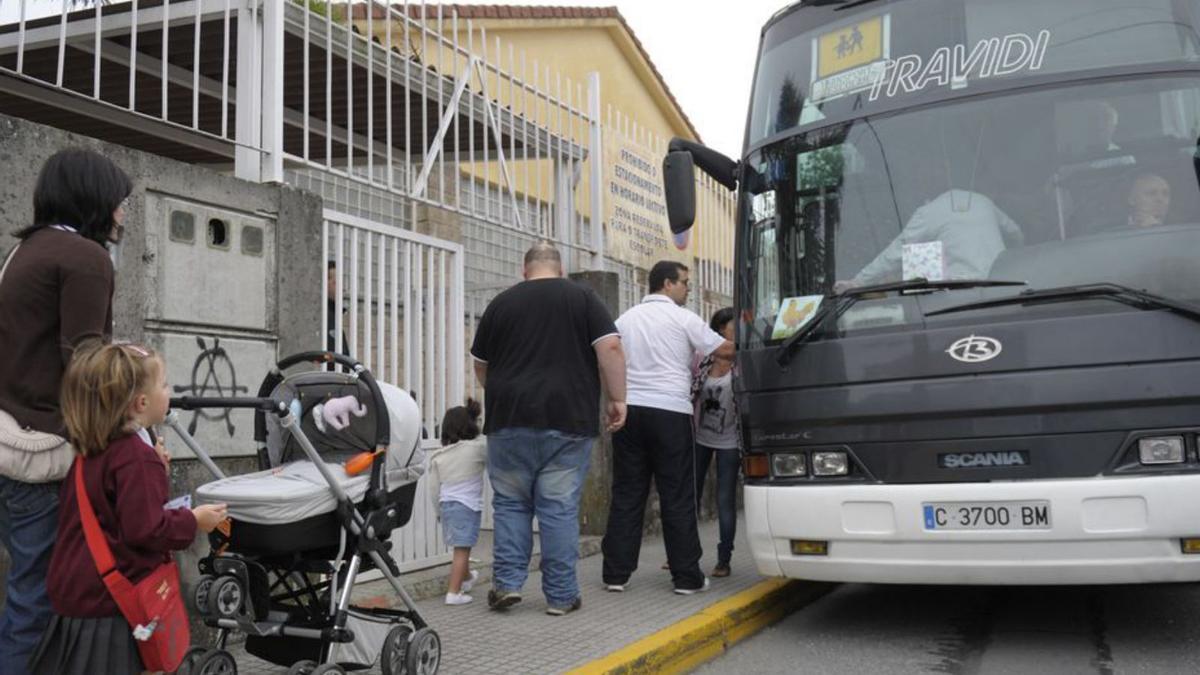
{"x": 201, "y": 402}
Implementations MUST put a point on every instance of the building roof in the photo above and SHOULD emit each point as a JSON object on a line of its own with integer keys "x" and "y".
{"x": 520, "y": 12}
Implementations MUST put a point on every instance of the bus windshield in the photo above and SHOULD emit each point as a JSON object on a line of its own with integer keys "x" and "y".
{"x": 830, "y": 61}
{"x": 1052, "y": 185}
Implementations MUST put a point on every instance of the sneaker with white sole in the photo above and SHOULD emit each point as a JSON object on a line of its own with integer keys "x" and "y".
{"x": 469, "y": 583}
{"x": 615, "y": 588}
{"x": 458, "y": 598}
{"x": 560, "y": 610}
{"x": 692, "y": 591}
{"x": 503, "y": 599}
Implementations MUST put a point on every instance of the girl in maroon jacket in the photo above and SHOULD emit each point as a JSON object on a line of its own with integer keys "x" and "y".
{"x": 109, "y": 393}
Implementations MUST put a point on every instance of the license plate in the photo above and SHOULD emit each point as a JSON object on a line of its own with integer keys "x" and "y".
{"x": 987, "y": 515}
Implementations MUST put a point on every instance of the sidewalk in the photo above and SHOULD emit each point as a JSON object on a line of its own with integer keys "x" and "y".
{"x": 525, "y": 640}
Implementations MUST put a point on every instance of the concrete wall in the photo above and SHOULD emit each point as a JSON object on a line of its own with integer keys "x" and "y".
{"x": 165, "y": 288}
{"x": 222, "y": 311}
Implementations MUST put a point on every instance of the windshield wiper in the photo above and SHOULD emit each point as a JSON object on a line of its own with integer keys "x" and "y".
{"x": 836, "y": 305}
{"x": 852, "y": 5}
{"x": 1130, "y": 296}
{"x": 844, "y": 4}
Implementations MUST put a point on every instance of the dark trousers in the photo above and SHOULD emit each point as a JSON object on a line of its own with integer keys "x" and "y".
{"x": 28, "y": 523}
{"x": 654, "y": 444}
{"x": 728, "y": 463}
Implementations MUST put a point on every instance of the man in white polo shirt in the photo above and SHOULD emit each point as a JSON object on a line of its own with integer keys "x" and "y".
{"x": 661, "y": 339}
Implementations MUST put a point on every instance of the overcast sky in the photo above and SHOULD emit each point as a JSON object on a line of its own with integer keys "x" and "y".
{"x": 704, "y": 49}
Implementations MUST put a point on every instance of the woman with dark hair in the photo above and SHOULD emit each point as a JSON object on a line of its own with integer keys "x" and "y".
{"x": 56, "y": 291}
{"x": 716, "y": 433}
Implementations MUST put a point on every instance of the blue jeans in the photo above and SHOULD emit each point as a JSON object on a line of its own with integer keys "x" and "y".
{"x": 537, "y": 472}
{"x": 28, "y": 522}
{"x": 729, "y": 462}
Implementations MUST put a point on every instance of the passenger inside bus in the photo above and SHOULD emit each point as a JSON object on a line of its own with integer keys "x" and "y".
{"x": 1111, "y": 201}
{"x": 1149, "y": 201}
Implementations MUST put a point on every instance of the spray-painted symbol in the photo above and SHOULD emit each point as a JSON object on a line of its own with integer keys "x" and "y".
{"x": 213, "y": 384}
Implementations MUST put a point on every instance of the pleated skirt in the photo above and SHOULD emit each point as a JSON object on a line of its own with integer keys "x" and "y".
{"x": 72, "y": 646}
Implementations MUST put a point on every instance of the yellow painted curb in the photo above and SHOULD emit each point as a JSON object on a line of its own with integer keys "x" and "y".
{"x": 703, "y": 636}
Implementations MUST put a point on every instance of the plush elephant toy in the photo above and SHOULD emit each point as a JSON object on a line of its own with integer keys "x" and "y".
{"x": 336, "y": 412}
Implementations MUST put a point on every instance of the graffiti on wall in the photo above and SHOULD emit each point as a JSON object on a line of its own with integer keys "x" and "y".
{"x": 214, "y": 375}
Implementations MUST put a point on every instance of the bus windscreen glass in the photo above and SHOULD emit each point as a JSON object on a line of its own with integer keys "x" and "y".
{"x": 820, "y": 63}
{"x": 1054, "y": 185}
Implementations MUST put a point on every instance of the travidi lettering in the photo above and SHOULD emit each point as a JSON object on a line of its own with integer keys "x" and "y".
{"x": 991, "y": 57}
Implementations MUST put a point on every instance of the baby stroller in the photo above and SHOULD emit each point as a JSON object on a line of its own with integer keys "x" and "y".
{"x": 282, "y": 567}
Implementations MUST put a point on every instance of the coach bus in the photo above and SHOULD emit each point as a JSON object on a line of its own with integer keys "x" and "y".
{"x": 968, "y": 289}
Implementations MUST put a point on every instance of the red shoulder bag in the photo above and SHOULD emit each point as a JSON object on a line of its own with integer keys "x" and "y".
{"x": 154, "y": 607}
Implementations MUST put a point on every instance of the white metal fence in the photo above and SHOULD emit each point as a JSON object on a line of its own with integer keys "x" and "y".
{"x": 396, "y": 305}
{"x": 191, "y": 65}
{"x": 409, "y": 98}
{"x": 397, "y": 96}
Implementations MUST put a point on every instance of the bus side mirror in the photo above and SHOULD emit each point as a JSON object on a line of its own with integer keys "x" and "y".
{"x": 679, "y": 182}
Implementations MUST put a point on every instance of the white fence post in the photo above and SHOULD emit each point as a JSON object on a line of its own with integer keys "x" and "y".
{"x": 596, "y": 160}
{"x": 272, "y": 96}
{"x": 247, "y": 162}
{"x": 563, "y": 206}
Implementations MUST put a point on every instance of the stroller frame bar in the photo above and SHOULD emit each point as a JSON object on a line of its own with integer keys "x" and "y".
{"x": 269, "y": 629}
{"x": 201, "y": 454}
{"x": 351, "y": 574}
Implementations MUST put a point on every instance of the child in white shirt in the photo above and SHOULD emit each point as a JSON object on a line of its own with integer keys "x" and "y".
{"x": 456, "y": 486}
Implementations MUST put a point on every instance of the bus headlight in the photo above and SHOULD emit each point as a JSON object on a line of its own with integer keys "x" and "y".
{"x": 788, "y": 465}
{"x": 830, "y": 464}
{"x": 1161, "y": 450}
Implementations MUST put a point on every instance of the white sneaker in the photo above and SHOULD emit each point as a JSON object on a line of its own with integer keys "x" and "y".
{"x": 614, "y": 588}
{"x": 693, "y": 591}
{"x": 468, "y": 584}
{"x": 458, "y": 598}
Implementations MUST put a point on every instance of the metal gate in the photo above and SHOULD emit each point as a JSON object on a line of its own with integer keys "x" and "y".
{"x": 399, "y": 297}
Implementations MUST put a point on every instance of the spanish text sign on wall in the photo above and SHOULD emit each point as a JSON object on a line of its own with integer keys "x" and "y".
{"x": 635, "y": 206}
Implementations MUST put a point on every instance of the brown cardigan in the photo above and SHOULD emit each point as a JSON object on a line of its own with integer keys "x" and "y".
{"x": 56, "y": 292}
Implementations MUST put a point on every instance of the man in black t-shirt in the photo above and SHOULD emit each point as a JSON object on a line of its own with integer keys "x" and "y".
{"x": 542, "y": 351}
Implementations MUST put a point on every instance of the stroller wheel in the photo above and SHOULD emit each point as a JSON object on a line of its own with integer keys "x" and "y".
{"x": 424, "y": 652}
{"x": 305, "y": 667}
{"x": 190, "y": 659}
{"x": 393, "y": 656}
{"x": 216, "y": 662}
{"x": 329, "y": 669}
{"x": 200, "y": 592}
{"x": 226, "y": 597}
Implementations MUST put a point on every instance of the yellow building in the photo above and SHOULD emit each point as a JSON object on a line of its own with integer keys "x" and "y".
{"x": 557, "y": 51}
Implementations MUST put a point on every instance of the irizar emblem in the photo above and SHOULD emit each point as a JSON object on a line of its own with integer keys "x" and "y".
{"x": 975, "y": 349}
